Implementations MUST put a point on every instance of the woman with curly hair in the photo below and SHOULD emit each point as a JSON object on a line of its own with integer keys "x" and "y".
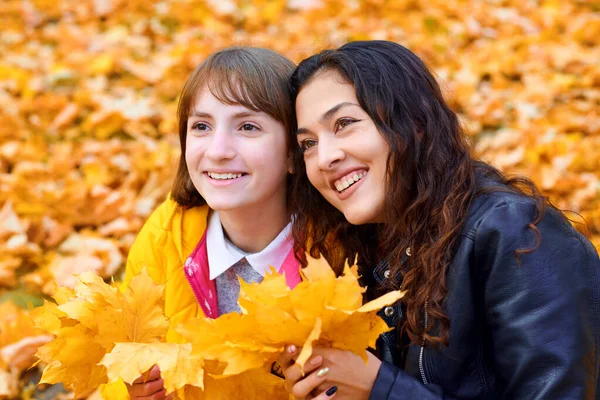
{"x": 503, "y": 294}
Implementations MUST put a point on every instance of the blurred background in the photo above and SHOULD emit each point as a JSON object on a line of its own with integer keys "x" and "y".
{"x": 88, "y": 130}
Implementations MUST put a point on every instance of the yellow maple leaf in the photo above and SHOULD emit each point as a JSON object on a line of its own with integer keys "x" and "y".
{"x": 72, "y": 359}
{"x": 89, "y": 320}
{"x": 306, "y": 351}
{"x": 255, "y": 384}
{"x": 129, "y": 361}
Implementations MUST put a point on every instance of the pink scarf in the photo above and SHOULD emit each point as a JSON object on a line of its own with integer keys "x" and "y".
{"x": 197, "y": 273}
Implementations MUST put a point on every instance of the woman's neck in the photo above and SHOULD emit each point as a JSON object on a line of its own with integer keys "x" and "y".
{"x": 252, "y": 229}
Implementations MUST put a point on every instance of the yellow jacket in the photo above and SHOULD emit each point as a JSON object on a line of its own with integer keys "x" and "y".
{"x": 162, "y": 246}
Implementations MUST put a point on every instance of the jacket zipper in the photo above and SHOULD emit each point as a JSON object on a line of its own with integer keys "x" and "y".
{"x": 421, "y": 366}
{"x": 189, "y": 274}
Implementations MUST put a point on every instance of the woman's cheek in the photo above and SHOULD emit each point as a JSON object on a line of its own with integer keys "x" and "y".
{"x": 313, "y": 176}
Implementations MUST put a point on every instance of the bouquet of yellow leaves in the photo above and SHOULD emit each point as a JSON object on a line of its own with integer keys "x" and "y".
{"x": 106, "y": 337}
{"x": 322, "y": 310}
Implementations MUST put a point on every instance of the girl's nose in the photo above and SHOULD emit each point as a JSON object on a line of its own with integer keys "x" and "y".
{"x": 221, "y": 146}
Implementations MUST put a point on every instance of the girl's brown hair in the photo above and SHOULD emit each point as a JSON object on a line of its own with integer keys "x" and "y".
{"x": 255, "y": 78}
{"x": 432, "y": 179}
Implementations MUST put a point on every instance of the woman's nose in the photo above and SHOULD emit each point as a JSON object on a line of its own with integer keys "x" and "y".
{"x": 329, "y": 154}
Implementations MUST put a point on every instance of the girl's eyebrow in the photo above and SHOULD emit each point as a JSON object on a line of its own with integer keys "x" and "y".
{"x": 241, "y": 114}
{"x": 246, "y": 114}
{"x": 200, "y": 114}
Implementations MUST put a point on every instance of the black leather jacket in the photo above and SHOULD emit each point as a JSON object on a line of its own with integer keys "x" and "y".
{"x": 518, "y": 331}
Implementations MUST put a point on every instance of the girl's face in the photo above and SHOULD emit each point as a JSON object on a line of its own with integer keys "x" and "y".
{"x": 236, "y": 157}
{"x": 344, "y": 153}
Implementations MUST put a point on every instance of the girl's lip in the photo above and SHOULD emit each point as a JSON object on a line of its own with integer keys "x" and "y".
{"x": 348, "y": 192}
{"x": 223, "y": 182}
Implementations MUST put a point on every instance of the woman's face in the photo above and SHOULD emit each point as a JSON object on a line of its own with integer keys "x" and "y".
{"x": 344, "y": 153}
{"x": 236, "y": 157}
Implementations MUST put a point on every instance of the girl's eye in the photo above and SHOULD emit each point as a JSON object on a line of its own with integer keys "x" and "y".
{"x": 306, "y": 144}
{"x": 200, "y": 126}
{"x": 344, "y": 122}
{"x": 248, "y": 127}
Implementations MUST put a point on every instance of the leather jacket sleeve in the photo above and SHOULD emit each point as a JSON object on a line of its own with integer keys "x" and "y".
{"x": 542, "y": 310}
{"x": 394, "y": 384}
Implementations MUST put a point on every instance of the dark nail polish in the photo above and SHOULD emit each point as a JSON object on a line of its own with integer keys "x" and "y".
{"x": 331, "y": 391}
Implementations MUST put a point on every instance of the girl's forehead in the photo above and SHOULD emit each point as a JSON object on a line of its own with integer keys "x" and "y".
{"x": 232, "y": 95}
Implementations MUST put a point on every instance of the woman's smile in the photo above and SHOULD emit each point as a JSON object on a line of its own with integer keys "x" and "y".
{"x": 344, "y": 153}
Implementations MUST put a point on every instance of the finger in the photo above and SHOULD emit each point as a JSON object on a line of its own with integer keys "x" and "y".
{"x": 150, "y": 375}
{"x": 146, "y": 389}
{"x": 288, "y": 357}
{"x": 309, "y": 383}
{"x": 326, "y": 394}
{"x": 294, "y": 373}
{"x": 170, "y": 397}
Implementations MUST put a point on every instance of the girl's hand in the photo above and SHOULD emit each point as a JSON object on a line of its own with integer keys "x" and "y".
{"x": 340, "y": 371}
{"x": 149, "y": 386}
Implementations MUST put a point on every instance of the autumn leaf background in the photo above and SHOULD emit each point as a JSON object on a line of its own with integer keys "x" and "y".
{"x": 89, "y": 89}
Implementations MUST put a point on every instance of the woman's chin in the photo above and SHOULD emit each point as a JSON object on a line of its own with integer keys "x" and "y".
{"x": 358, "y": 218}
{"x": 362, "y": 216}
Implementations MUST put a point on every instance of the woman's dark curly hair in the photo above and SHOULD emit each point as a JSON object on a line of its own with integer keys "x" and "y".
{"x": 432, "y": 178}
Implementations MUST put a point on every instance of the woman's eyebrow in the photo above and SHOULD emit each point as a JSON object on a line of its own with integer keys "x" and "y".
{"x": 302, "y": 131}
{"x": 327, "y": 115}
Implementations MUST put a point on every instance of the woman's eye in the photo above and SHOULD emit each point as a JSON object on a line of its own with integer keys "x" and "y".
{"x": 248, "y": 127}
{"x": 306, "y": 144}
{"x": 344, "y": 122}
{"x": 200, "y": 126}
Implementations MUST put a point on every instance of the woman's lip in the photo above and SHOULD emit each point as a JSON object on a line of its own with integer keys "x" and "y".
{"x": 344, "y": 173}
{"x": 348, "y": 192}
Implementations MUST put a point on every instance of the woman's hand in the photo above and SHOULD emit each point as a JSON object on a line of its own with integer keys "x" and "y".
{"x": 149, "y": 386}
{"x": 340, "y": 373}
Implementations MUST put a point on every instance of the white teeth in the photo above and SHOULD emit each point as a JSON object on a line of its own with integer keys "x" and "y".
{"x": 347, "y": 181}
{"x": 214, "y": 175}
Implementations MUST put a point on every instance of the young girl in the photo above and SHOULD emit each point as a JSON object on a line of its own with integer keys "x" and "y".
{"x": 228, "y": 212}
{"x": 503, "y": 295}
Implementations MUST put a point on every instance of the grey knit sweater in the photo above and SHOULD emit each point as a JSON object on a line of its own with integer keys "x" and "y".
{"x": 228, "y": 286}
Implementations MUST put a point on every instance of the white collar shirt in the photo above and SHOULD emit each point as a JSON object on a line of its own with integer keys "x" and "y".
{"x": 222, "y": 254}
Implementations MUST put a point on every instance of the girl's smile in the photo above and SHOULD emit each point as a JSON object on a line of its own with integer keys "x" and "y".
{"x": 224, "y": 178}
